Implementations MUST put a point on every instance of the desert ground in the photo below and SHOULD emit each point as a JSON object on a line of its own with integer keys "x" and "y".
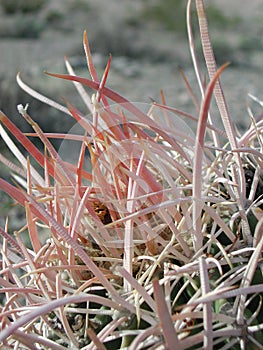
{"x": 146, "y": 56}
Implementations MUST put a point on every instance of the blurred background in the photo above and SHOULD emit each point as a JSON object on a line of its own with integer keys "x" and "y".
{"x": 148, "y": 41}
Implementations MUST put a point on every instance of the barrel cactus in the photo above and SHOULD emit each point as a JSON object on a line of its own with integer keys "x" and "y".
{"x": 153, "y": 231}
